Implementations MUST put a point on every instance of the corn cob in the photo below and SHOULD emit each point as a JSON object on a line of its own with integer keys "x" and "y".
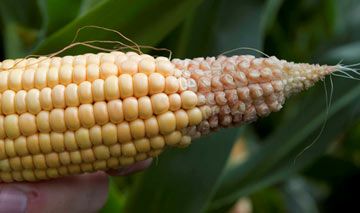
{"x": 77, "y": 114}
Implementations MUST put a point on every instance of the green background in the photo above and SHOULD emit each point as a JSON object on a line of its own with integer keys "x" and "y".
{"x": 275, "y": 176}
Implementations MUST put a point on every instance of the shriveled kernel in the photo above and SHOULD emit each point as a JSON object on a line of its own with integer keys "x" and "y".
{"x": 72, "y": 120}
{"x": 137, "y": 128}
{"x": 130, "y": 108}
{"x": 82, "y": 138}
{"x": 58, "y": 96}
{"x": 27, "y": 79}
{"x": 79, "y": 74}
{"x": 45, "y": 143}
{"x": 71, "y": 95}
{"x": 70, "y": 141}
{"x": 33, "y": 145}
{"x": 174, "y": 101}
{"x": 156, "y": 83}
{"x": 57, "y": 141}
{"x": 102, "y": 152}
{"x": 182, "y": 119}
{"x": 171, "y": 85}
{"x": 188, "y": 99}
{"x": 87, "y": 156}
{"x": 154, "y": 153}
{"x": 140, "y": 82}
{"x": 167, "y": 122}
{"x": 8, "y": 102}
{"x": 95, "y": 135}
{"x": 11, "y": 126}
{"x": 98, "y": 90}
{"x": 85, "y": 93}
{"x": 45, "y": 99}
{"x": 92, "y": 72}
{"x": 142, "y": 145}
{"x": 100, "y": 113}
{"x": 14, "y": 81}
{"x": 86, "y": 115}
{"x": 195, "y": 116}
{"x": 115, "y": 150}
{"x": 173, "y": 138}
{"x": 20, "y": 146}
{"x": 40, "y": 77}
{"x": 52, "y": 77}
{"x": 57, "y": 120}
{"x": 165, "y": 67}
{"x": 160, "y": 103}
{"x": 147, "y": 66}
{"x": 42, "y": 121}
{"x": 109, "y": 134}
{"x": 20, "y": 102}
{"x": 128, "y": 149}
{"x": 27, "y": 124}
{"x": 129, "y": 67}
{"x": 126, "y": 86}
{"x": 145, "y": 108}
{"x": 124, "y": 134}
{"x": 115, "y": 111}
{"x": 111, "y": 88}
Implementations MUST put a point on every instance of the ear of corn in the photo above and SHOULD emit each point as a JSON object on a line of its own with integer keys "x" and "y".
{"x": 76, "y": 114}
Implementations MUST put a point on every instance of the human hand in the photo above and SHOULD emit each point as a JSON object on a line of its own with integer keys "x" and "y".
{"x": 81, "y": 193}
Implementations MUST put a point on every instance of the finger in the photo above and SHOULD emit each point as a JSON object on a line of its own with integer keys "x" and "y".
{"x": 139, "y": 166}
{"x": 82, "y": 193}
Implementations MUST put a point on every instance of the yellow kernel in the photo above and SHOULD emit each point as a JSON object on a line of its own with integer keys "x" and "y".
{"x": 64, "y": 158}
{"x": 174, "y": 101}
{"x": 147, "y": 66}
{"x": 11, "y": 126}
{"x": 10, "y": 148}
{"x": 40, "y": 174}
{"x": 74, "y": 169}
{"x": 167, "y": 122}
{"x": 70, "y": 141}
{"x": 115, "y": 150}
{"x": 145, "y": 108}
{"x": 115, "y": 111}
{"x": 72, "y": 120}
{"x": 27, "y": 79}
{"x": 125, "y": 86}
{"x": 151, "y": 127}
{"x": 57, "y": 141}
{"x": 33, "y": 145}
{"x": 33, "y": 101}
{"x": 194, "y": 115}
{"x": 100, "y": 165}
{"x": 27, "y": 124}
{"x": 82, "y": 138}
{"x": 111, "y": 88}
{"x": 100, "y": 113}
{"x": 173, "y": 138}
{"x": 102, "y": 152}
{"x": 140, "y": 82}
{"x": 129, "y": 67}
{"x": 95, "y": 135}
{"x": 40, "y": 77}
{"x": 71, "y": 95}
{"x": 112, "y": 163}
{"x": 157, "y": 142}
{"x": 142, "y": 145}
{"x": 108, "y": 69}
{"x": 92, "y": 59}
{"x": 160, "y": 103}
{"x": 8, "y": 102}
{"x": 85, "y": 93}
{"x": 87, "y": 155}
{"x": 3, "y": 81}
{"x": 107, "y": 57}
{"x": 57, "y": 120}
{"x": 125, "y": 161}
{"x": 92, "y": 72}
{"x": 42, "y": 121}
{"x": 14, "y": 81}
{"x": 86, "y": 167}
{"x": 128, "y": 149}
{"x": 52, "y": 77}
{"x": 20, "y": 146}
{"x": 86, "y": 115}
{"x": 58, "y": 96}
{"x": 109, "y": 134}
{"x": 65, "y": 74}
{"x": 2, "y": 130}
{"x": 2, "y": 150}
{"x": 156, "y": 83}
{"x": 98, "y": 90}
{"x": 45, "y": 99}
{"x": 20, "y": 102}
{"x": 27, "y": 162}
{"x": 45, "y": 143}
{"x": 171, "y": 85}
{"x": 188, "y": 99}
{"x": 79, "y": 74}
{"x": 75, "y": 157}
{"x": 137, "y": 128}
{"x": 15, "y": 164}
{"x": 130, "y": 108}
{"x": 165, "y": 67}
{"x": 182, "y": 119}
{"x": 52, "y": 160}
{"x": 123, "y": 131}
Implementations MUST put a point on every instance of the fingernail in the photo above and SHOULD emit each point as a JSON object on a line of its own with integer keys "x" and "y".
{"x": 13, "y": 200}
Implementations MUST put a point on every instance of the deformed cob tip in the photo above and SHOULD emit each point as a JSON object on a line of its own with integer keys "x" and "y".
{"x": 76, "y": 114}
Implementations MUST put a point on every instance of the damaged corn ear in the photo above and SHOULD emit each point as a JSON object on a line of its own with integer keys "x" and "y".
{"x": 77, "y": 114}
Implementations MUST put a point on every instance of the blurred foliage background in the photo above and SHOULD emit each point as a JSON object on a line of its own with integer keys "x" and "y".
{"x": 255, "y": 168}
